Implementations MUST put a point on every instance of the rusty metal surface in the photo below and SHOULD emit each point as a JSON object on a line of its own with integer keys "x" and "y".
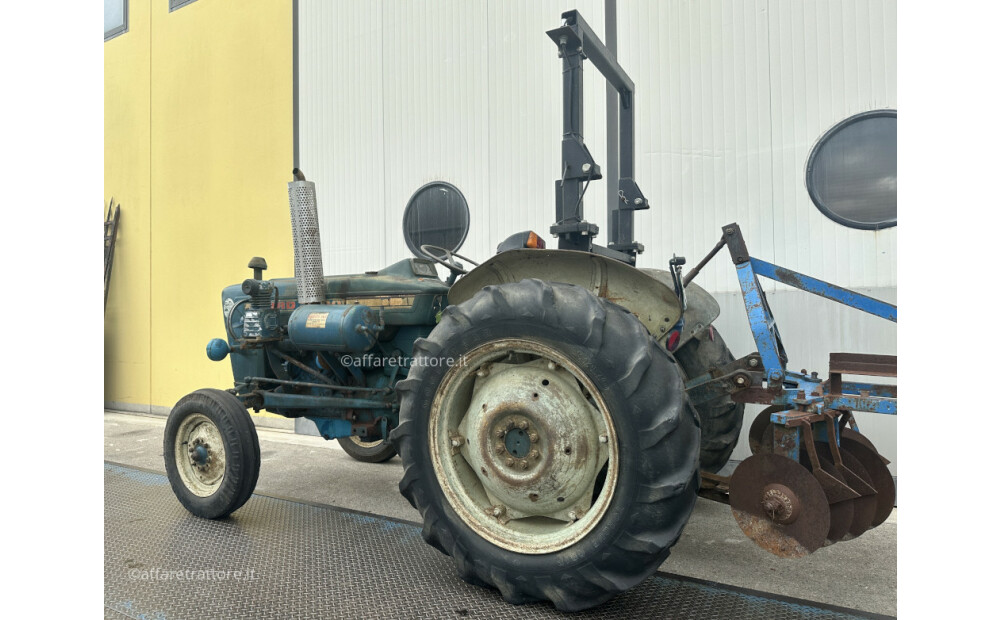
{"x": 701, "y": 311}
{"x": 745, "y": 373}
{"x": 654, "y": 303}
{"x": 749, "y": 486}
{"x": 881, "y": 479}
{"x": 864, "y": 506}
{"x": 850, "y": 433}
{"x": 863, "y": 364}
{"x": 761, "y": 435}
{"x": 701, "y": 264}
{"x": 733, "y": 237}
{"x": 314, "y": 561}
{"x": 841, "y": 508}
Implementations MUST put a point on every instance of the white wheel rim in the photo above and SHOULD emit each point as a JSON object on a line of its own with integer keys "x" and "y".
{"x": 365, "y": 444}
{"x": 200, "y": 455}
{"x": 519, "y": 436}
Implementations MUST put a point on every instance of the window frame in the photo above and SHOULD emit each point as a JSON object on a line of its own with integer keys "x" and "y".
{"x": 178, "y": 4}
{"x": 810, "y": 166}
{"x": 118, "y": 30}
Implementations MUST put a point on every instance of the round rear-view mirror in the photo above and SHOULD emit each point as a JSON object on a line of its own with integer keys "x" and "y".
{"x": 851, "y": 172}
{"x": 437, "y": 214}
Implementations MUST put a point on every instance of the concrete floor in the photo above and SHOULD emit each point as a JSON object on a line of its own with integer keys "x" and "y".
{"x": 859, "y": 574}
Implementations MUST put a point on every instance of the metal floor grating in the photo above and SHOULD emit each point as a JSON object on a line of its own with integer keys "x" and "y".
{"x": 311, "y": 561}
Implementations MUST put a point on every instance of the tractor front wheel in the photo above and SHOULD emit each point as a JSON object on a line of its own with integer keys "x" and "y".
{"x": 211, "y": 453}
{"x": 547, "y": 444}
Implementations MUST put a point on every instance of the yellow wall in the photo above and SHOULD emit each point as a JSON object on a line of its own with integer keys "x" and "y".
{"x": 218, "y": 154}
{"x": 126, "y": 177}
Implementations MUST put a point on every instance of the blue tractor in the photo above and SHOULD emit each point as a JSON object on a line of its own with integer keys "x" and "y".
{"x": 557, "y": 411}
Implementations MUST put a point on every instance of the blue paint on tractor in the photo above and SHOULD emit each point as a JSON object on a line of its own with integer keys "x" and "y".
{"x": 801, "y": 393}
{"x": 762, "y": 324}
{"x": 824, "y": 289}
{"x": 335, "y": 328}
{"x": 217, "y": 349}
{"x": 332, "y": 428}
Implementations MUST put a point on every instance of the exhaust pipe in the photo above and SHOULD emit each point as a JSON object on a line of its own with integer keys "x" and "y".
{"x": 305, "y": 239}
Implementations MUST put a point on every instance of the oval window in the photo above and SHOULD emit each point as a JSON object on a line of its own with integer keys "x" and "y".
{"x": 851, "y": 172}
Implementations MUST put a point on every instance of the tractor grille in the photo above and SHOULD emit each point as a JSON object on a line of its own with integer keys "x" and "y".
{"x": 305, "y": 238}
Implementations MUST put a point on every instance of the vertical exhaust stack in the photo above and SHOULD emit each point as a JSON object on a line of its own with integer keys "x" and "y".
{"x": 305, "y": 239}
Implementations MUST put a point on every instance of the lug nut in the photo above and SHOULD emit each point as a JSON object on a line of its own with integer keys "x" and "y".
{"x": 523, "y": 424}
{"x": 533, "y": 437}
{"x": 603, "y": 439}
{"x": 509, "y": 462}
{"x": 535, "y": 454}
{"x": 500, "y": 433}
{"x": 572, "y": 515}
{"x": 552, "y": 365}
{"x": 498, "y": 511}
{"x": 482, "y": 372}
{"x": 510, "y": 425}
{"x": 499, "y": 448}
{"x": 523, "y": 465}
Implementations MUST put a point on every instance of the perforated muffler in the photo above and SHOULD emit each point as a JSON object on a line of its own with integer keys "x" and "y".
{"x": 305, "y": 239}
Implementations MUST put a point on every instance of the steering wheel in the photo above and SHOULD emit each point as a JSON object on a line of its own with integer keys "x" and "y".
{"x": 446, "y": 258}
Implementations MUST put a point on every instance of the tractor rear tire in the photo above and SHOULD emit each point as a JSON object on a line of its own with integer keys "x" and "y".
{"x": 378, "y": 451}
{"x": 211, "y": 453}
{"x": 636, "y": 506}
{"x": 722, "y": 417}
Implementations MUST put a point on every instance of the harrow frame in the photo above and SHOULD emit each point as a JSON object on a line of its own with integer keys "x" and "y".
{"x": 804, "y": 409}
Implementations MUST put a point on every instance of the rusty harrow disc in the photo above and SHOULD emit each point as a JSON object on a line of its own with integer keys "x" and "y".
{"x": 779, "y": 505}
{"x": 841, "y": 509}
{"x": 761, "y": 435}
{"x": 864, "y": 506}
{"x": 850, "y": 433}
{"x": 881, "y": 479}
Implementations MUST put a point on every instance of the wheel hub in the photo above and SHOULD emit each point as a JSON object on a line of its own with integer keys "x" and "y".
{"x": 200, "y": 455}
{"x": 523, "y": 446}
{"x": 537, "y": 450}
{"x": 779, "y": 503}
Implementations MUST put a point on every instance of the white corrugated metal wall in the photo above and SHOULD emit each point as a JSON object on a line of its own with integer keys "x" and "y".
{"x": 731, "y": 95}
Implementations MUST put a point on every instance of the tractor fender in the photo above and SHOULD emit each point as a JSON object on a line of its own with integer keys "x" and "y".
{"x": 643, "y": 292}
{"x": 702, "y": 309}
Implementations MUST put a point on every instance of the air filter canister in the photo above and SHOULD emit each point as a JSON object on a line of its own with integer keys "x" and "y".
{"x": 305, "y": 239}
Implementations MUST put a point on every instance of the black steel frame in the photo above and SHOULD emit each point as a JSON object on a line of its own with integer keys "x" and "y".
{"x": 576, "y": 42}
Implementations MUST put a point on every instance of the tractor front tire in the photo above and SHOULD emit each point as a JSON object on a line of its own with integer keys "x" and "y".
{"x": 378, "y": 451}
{"x": 722, "y": 417}
{"x": 547, "y": 444}
{"x": 211, "y": 453}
